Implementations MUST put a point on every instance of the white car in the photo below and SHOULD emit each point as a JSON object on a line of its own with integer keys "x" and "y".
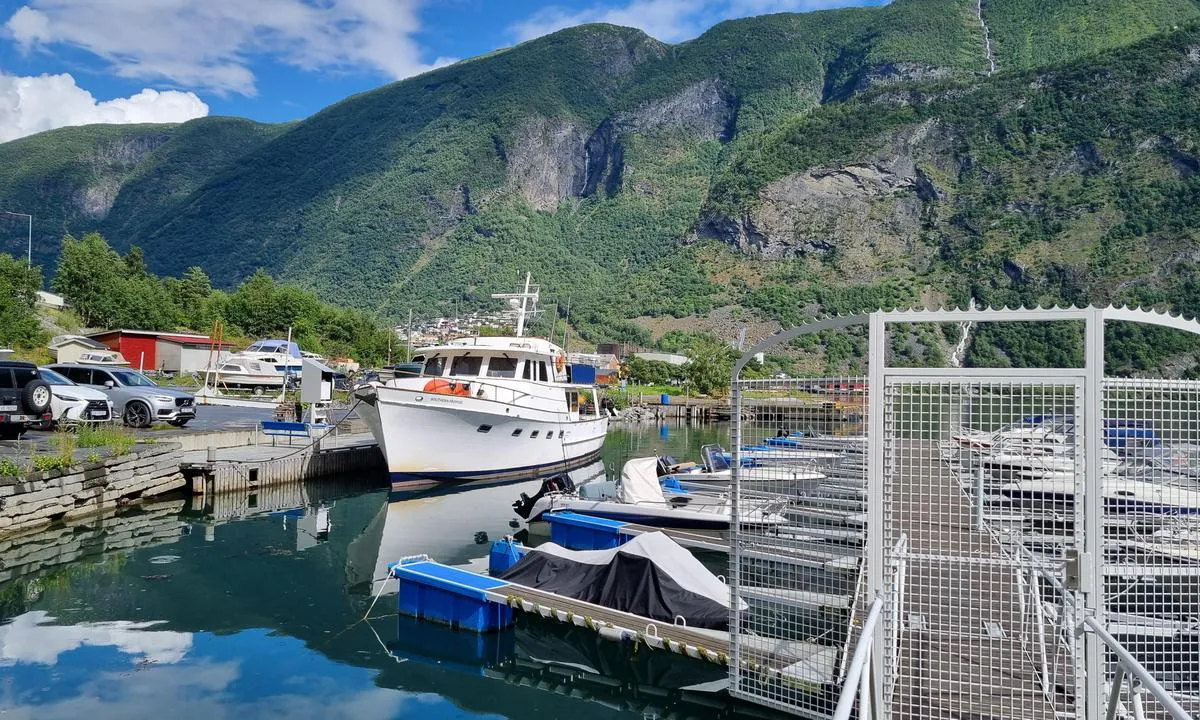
{"x": 71, "y": 404}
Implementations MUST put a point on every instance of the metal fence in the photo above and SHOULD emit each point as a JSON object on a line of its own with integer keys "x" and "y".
{"x": 798, "y": 553}
{"x": 1018, "y": 543}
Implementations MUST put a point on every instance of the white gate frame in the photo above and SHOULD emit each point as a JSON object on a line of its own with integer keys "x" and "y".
{"x": 1090, "y": 695}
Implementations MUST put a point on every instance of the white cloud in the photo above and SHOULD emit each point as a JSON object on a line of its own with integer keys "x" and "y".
{"x": 32, "y": 104}
{"x": 210, "y": 44}
{"x": 666, "y": 20}
{"x": 29, "y": 639}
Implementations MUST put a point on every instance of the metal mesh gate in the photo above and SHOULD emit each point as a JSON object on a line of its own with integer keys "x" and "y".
{"x": 964, "y": 542}
{"x": 980, "y": 479}
{"x": 1151, "y": 559}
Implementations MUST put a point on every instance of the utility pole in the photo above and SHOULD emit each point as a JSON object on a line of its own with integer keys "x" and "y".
{"x": 29, "y": 248}
{"x": 409, "y": 338}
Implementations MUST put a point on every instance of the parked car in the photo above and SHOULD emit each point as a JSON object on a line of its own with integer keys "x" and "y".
{"x": 24, "y": 398}
{"x": 73, "y": 404}
{"x": 136, "y": 398}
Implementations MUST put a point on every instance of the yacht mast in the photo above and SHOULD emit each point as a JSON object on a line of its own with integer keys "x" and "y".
{"x": 521, "y": 315}
{"x": 523, "y": 308}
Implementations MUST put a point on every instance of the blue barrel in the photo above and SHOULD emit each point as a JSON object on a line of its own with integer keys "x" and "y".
{"x": 504, "y": 554}
{"x": 664, "y": 399}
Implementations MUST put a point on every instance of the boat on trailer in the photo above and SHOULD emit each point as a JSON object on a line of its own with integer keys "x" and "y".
{"x": 485, "y": 409}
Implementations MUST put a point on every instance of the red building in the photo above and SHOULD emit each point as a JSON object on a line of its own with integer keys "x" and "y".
{"x": 169, "y": 352}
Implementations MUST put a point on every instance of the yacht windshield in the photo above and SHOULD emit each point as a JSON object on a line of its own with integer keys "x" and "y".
{"x": 466, "y": 366}
{"x": 129, "y": 378}
{"x": 435, "y": 366}
{"x": 502, "y": 367}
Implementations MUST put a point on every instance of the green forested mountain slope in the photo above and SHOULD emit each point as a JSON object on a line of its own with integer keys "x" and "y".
{"x": 789, "y": 163}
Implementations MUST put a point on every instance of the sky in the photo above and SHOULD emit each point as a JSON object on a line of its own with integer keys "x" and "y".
{"x": 73, "y": 62}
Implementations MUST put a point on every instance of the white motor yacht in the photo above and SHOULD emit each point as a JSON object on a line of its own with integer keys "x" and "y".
{"x": 490, "y": 409}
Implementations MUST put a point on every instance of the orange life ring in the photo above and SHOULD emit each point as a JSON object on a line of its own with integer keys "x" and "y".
{"x": 445, "y": 387}
{"x": 558, "y": 362}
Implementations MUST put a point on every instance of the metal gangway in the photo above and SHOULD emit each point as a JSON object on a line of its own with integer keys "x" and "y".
{"x": 1032, "y": 535}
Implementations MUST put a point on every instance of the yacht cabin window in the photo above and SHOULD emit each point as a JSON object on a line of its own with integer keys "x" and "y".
{"x": 466, "y": 366}
{"x": 542, "y": 371}
{"x": 528, "y": 373}
{"x": 502, "y": 367}
{"x": 435, "y": 366}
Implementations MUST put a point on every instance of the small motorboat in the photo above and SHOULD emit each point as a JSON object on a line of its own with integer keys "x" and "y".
{"x": 103, "y": 357}
{"x": 716, "y": 470}
{"x": 1121, "y": 494}
{"x": 640, "y": 498}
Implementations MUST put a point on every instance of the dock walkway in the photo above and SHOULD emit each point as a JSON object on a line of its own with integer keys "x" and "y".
{"x": 961, "y": 651}
{"x": 251, "y": 466}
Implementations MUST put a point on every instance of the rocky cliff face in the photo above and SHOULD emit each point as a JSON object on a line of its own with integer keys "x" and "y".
{"x": 552, "y": 160}
{"x": 546, "y": 163}
{"x": 866, "y": 212}
{"x": 108, "y": 166}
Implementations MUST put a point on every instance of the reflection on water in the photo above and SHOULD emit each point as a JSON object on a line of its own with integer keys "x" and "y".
{"x": 250, "y": 606}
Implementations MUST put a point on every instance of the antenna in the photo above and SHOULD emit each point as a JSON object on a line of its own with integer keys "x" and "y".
{"x": 524, "y": 303}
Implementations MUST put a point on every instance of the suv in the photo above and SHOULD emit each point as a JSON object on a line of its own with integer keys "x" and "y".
{"x": 135, "y": 397}
{"x": 24, "y": 398}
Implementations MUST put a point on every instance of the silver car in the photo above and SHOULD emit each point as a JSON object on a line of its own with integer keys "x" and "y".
{"x": 135, "y": 397}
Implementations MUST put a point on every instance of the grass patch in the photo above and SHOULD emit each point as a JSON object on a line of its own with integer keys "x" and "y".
{"x": 162, "y": 426}
{"x": 45, "y": 463}
{"x": 10, "y": 468}
{"x": 118, "y": 439}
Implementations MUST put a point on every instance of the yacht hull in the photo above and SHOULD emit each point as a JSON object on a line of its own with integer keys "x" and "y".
{"x": 430, "y": 438}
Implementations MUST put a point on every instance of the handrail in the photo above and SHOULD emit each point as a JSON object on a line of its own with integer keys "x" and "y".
{"x": 862, "y": 653}
{"x": 1130, "y": 665}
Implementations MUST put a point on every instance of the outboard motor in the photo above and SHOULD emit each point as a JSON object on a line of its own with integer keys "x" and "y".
{"x": 557, "y": 483}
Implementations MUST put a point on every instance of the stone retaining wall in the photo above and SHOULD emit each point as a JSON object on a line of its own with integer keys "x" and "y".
{"x": 30, "y": 554}
{"x": 38, "y": 498}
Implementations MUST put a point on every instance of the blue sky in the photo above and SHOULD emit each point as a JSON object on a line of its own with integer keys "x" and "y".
{"x": 65, "y": 62}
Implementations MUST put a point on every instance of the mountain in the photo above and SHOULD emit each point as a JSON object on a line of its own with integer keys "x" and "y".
{"x": 772, "y": 168}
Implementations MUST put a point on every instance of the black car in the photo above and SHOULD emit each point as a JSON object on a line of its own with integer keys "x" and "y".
{"x": 24, "y": 398}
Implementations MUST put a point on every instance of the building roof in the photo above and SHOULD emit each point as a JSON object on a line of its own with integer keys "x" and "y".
{"x": 60, "y": 340}
{"x": 177, "y": 337}
{"x": 192, "y": 339}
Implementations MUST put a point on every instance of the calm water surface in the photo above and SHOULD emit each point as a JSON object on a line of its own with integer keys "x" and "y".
{"x": 251, "y": 607}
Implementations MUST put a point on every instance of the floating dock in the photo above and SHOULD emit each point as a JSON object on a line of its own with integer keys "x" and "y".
{"x": 469, "y": 601}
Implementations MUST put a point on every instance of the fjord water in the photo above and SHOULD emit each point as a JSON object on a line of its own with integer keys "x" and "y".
{"x": 165, "y": 610}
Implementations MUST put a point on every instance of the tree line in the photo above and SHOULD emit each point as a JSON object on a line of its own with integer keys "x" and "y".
{"x": 109, "y": 290}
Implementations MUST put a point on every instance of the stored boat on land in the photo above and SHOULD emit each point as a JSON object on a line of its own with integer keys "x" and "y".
{"x": 491, "y": 409}
{"x": 266, "y": 363}
{"x": 716, "y": 470}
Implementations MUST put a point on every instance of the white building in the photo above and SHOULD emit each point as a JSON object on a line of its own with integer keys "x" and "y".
{"x": 669, "y": 358}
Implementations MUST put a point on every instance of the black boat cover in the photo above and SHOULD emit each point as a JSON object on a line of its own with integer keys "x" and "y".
{"x": 651, "y": 576}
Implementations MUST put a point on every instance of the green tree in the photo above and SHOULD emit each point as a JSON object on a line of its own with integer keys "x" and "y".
{"x": 710, "y": 365}
{"x": 19, "y": 326}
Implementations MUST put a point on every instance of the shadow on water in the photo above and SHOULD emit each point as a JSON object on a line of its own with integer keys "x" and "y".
{"x": 251, "y": 605}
